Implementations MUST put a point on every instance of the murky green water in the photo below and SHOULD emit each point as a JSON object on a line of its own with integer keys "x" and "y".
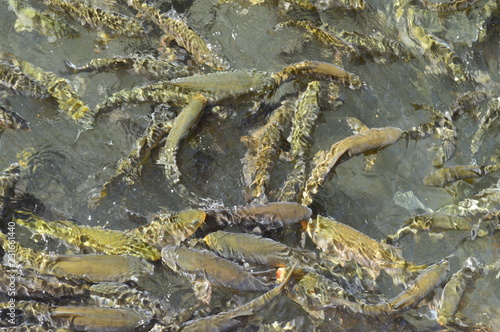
{"x": 65, "y": 170}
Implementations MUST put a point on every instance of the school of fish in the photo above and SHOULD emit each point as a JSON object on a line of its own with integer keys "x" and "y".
{"x": 164, "y": 245}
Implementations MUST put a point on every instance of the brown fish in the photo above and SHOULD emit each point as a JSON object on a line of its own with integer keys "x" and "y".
{"x": 98, "y": 268}
{"x": 348, "y": 244}
{"x": 454, "y": 296}
{"x": 443, "y": 176}
{"x": 204, "y": 268}
{"x": 419, "y": 288}
{"x": 169, "y": 229}
{"x": 79, "y": 318}
{"x": 256, "y": 249}
{"x": 367, "y": 140}
{"x": 268, "y": 216}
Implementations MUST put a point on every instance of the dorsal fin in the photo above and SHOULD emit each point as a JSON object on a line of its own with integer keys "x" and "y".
{"x": 356, "y": 125}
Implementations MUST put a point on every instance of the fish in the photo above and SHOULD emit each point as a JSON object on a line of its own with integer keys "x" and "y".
{"x": 268, "y": 216}
{"x": 186, "y": 119}
{"x": 418, "y": 289}
{"x": 205, "y": 268}
{"x": 317, "y": 70}
{"x": 228, "y": 320}
{"x": 454, "y": 295}
{"x": 444, "y": 7}
{"x": 367, "y": 140}
{"x": 88, "y": 239}
{"x": 446, "y": 175}
{"x": 130, "y": 168}
{"x": 489, "y": 118}
{"x": 58, "y": 88}
{"x": 83, "y": 318}
{"x": 169, "y": 228}
{"x": 262, "y": 153}
{"x": 120, "y": 295}
{"x": 374, "y": 46}
{"x": 98, "y": 268}
{"x": 31, "y": 19}
{"x": 304, "y": 120}
{"x": 176, "y": 29}
{"x": 435, "y": 222}
{"x": 11, "y": 120}
{"x": 330, "y": 40}
{"x": 91, "y": 268}
{"x": 348, "y": 244}
{"x": 304, "y": 4}
{"x": 8, "y": 180}
{"x": 436, "y": 48}
{"x": 32, "y": 285}
{"x": 485, "y": 201}
{"x": 97, "y": 18}
{"x": 430, "y": 278}
{"x": 14, "y": 80}
{"x": 340, "y": 5}
{"x": 225, "y": 85}
{"x": 145, "y": 65}
{"x": 162, "y": 93}
{"x": 255, "y": 249}
{"x": 313, "y": 292}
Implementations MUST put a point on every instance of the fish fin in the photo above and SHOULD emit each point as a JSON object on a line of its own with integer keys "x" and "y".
{"x": 247, "y": 140}
{"x": 66, "y": 311}
{"x": 319, "y": 156}
{"x": 203, "y": 290}
{"x": 317, "y": 316}
{"x": 451, "y": 190}
{"x": 69, "y": 259}
{"x": 448, "y": 147}
{"x": 469, "y": 181}
{"x": 356, "y": 125}
{"x": 370, "y": 159}
{"x": 395, "y": 250}
{"x": 436, "y": 236}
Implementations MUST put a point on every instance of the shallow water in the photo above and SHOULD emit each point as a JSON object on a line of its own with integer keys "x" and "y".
{"x": 65, "y": 168}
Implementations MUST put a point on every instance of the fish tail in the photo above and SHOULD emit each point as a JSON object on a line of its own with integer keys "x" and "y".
{"x": 491, "y": 168}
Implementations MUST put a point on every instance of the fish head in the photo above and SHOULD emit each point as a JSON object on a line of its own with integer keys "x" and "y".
{"x": 392, "y": 134}
{"x": 211, "y": 240}
{"x": 192, "y": 218}
{"x": 323, "y": 232}
{"x": 316, "y": 231}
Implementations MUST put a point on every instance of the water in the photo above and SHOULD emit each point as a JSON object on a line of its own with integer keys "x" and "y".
{"x": 66, "y": 169}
